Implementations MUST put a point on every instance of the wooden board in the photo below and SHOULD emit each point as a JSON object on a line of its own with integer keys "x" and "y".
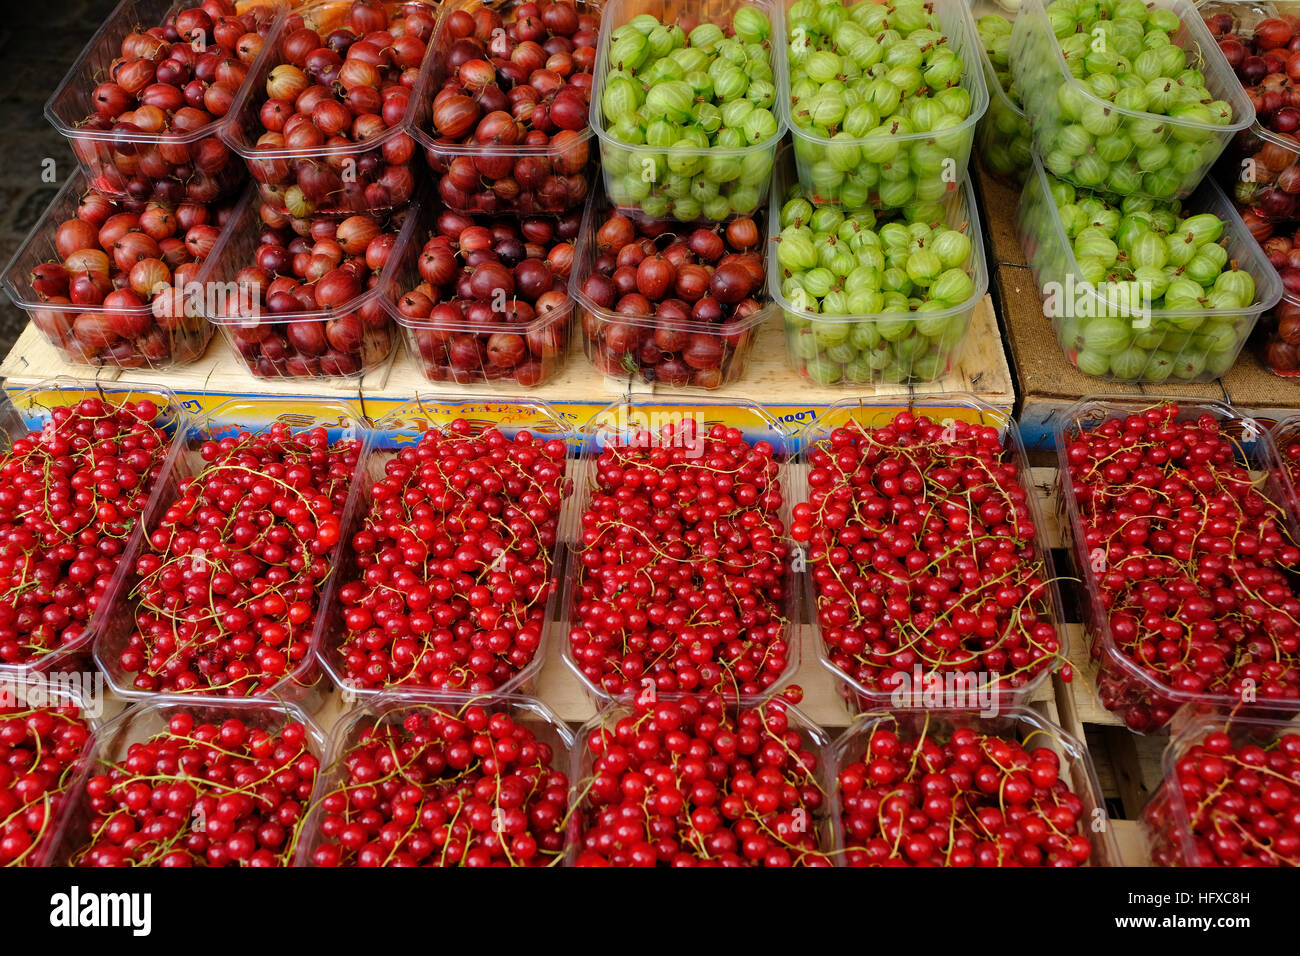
{"x": 577, "y": 391}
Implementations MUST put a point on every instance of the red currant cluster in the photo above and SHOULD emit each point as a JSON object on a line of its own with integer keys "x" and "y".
{"x": 230, "y": 582}
{"x": 202, "y": 794}
{"x": 1192, "y": 563}
{"x": 444, "y": 786}
{"x": 454, "y": 563}
{"x": 682, "y": 574}
{"x": 1241, "y": 802}
{"x": 970, "y": 800}
{"x": 39, "y": 751}
{"x": 923, "y": 551}
{"x": 70, "y": 495}
{"x": 694, "y": 781}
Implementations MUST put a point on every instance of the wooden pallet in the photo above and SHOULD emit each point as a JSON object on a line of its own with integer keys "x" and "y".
{"x": 577, "y": 390}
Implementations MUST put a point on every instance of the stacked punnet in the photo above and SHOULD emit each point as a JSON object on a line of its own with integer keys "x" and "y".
{"x": 1147, "y": 272}
{"x": 879, "y": 261}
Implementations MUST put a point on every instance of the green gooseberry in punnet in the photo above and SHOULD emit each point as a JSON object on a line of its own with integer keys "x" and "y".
{"x": 929, "y": 366}
{"x": 701, "y": 83}
{"x": 1189, "y": 365}
{"x": 923, "y": 267}
{"x": 1092, "y": 363}
{"x": 622, "y": 98}
{"x": 835, "y": 302}
{"x": 759, "y": 127}
{"x": 952, "y": 286}
{"x": 762, "y": 93}
{"x": 796, "y": 251}
{"x": 706, "y": 35}
{"x": 801, "y": 344}
{"x": 841, "y": 354}
{"x": 894, "y": 328}
{"x": 1106, "y": 335}
{"x": 1159, "y": 366}
{"x": 751, "y": 25}
{"x": 796, "y": 211}
{"x": 1218, "y": 362}
{"x": 702, "y": 101}
{"x": 707, "y": 117}
{"x": 952, "y": 247}
{"x": 883, "y": 78}
{"x": 730, "y": 84}
{"x": 1125, "y": 58}
{"x": 859, "y": 371}
{"x": 823, "y": 371}
{"x": 691, "y": 59}
{"x": 661, "y": 40}
{"x": 1129, "y": 363}
{"x": 829, "y": 333}
{"x": 629, "y": 52}
{"x": 1149, "y": 250}
{"x": 671, "y": 100}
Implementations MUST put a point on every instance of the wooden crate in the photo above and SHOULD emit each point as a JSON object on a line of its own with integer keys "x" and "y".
{"x": 1047, "y": 384}
{"x": 577, "y": 392}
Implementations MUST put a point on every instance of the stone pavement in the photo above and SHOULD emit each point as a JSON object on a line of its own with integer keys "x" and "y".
{"x": 38, "y": 42}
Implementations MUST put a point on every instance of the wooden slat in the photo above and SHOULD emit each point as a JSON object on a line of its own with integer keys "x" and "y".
{"x": 1133, "y": 790}
{"x": 1045, "y": 491}
{"x": 1132, "y": 846}
{"x": 767, "y": 379}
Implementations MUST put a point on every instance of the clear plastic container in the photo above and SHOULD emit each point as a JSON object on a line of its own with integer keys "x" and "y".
{"x": 1279, "y": 341}
{"x": 1166, "y": 820}
{"x": 172, "y": 166}
{"x": 933, "y": 165}
{"x": 812, "y": 737}
{"x": 300, "y": 344}
{"x": 1264, "y": 170}
{"x": 1167, "y": 344}
{"x": 134, "y": 337}
{"x": 151, "y": 717}
{"x": 390, "y": 710}
{"x": 642, "y": 177}
{"x": 374, "y": 176}
{"x": 875, "y": 413}
{"x": 1023, "y": 724}
{"x": 31, "y": 410}
{"x": 856, "y": 351}
{"x": 1262, "y": 166}
{"x": 45, "y": 692}
{"x": 519, "y": 355}
{"x": 301, "y": 684}
{"x": 1166, "y": 157}
{"x": 1002, "y": 135}
{"x": 1285, "y": 434}
{"x": 623, "y": 422}
{"x": 1143, "y": 702}
{"x": 522, "y": 180}
{"x": 619, "y": 345}
{"x": 402, "y": 428}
